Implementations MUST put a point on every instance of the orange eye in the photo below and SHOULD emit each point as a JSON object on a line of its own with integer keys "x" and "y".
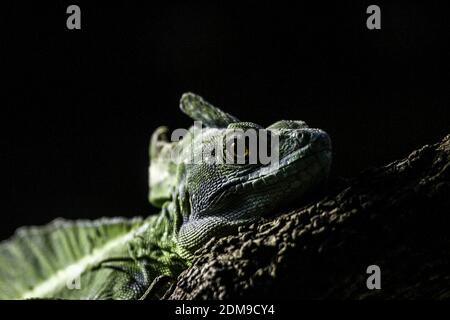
{"x": 237, "y": 151}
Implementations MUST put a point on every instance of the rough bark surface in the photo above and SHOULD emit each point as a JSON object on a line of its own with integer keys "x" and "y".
{"x": 396, "y": 217}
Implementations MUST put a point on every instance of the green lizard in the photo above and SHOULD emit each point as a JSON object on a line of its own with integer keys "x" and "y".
{"x": 138, "y": 258}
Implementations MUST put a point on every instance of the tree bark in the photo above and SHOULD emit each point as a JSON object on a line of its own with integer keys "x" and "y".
{"x": 396, "y": 217}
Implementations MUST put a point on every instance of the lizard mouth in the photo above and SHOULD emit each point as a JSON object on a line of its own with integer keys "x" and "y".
{"x": 315, "y": 156}
{"x": 269, "y": 175}
{"x": 291, "y": 170}
{"x": 258, "y": 190}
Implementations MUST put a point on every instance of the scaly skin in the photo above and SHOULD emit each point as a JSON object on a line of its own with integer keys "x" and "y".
{"x": 215, "y": 199}
{"x": 135, "y": 259}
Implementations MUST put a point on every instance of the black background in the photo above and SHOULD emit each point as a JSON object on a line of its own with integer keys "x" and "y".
{"x": 86, "y": 101}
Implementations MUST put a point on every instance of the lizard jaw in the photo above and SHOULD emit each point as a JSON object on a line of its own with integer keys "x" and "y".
{"x": 319, "y": 148}
{"x": 246, "y": 199}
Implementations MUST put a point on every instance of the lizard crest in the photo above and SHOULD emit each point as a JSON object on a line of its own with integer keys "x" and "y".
{"x": 208, "y": 181}
{"x": 215, "y": 197}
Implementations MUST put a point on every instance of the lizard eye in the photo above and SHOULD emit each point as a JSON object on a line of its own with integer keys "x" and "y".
{"x": 237, "y": 151}
{"x": 238, "y": 155}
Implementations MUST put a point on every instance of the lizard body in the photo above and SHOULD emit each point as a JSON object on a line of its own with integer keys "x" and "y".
{"x": 126, "y": 258}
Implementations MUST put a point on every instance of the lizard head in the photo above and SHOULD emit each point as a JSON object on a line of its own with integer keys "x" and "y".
{"x": 233, "y": 172}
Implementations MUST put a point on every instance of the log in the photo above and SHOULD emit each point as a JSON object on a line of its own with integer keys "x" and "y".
{"x": 396, "y": 217}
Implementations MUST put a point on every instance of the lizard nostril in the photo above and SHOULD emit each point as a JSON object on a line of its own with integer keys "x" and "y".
{"x": 303, "y": 138}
